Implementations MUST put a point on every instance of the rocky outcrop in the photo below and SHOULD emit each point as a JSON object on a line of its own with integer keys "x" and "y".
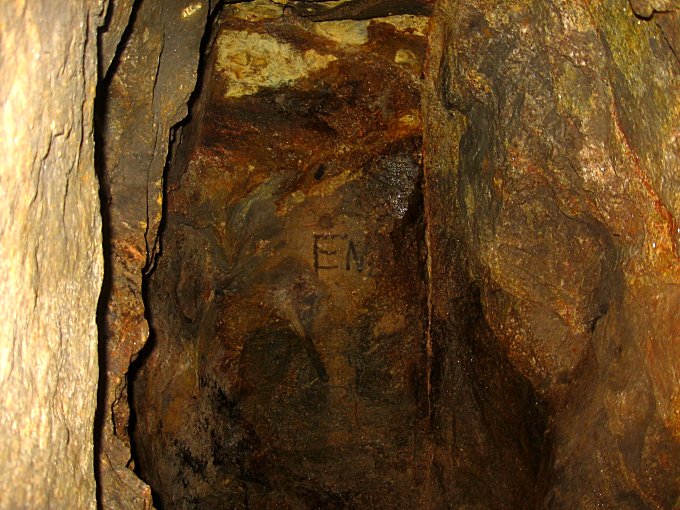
{"x": 552, "y": 174}
{"x": 152, "y": 75}
{"x": 50, "y": 253}
{"x": 646, "y": 8}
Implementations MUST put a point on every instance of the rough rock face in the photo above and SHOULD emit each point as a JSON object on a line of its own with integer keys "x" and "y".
{"x": 294, "y": 364}
{"x": 50, "y": 253}
{"x": 151, "y": 75}
{"x": 289, "y": 306}
{"x": 109, "y": 36}
{"x": 553, "y": 146}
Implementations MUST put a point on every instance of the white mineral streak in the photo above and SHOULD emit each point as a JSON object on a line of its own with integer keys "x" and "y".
{"x": 252, "y": 61}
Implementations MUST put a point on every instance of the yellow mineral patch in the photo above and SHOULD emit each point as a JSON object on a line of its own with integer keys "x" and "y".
{"x": 416, "y": 25}
{"x": 410, "y": 120}
{"x": 344, "y": 32}
{"x": 191, "y": 10}
{"x": 252, "y": 61}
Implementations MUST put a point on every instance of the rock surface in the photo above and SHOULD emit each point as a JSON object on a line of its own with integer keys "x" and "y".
{"x": 152, "y": 75}
{"x": 552, "y": 136}
{"x": 50, "y": 253}
{"x": 340, "y": 324}
{"x": 110, "y": 35}
{"x": 290, "y": 297}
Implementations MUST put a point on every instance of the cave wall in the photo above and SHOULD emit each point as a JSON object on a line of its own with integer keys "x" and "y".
{"x": 50, "y": 253}
{"x": 552, "y": 174}
{"x": 551, "y": 191}
{"x": 299, "y": 386}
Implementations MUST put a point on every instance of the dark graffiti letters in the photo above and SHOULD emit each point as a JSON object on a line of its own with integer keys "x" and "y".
{"x": 352, "y": 258}
{"x": 336, "y": 251}
{"x": 326, "y": 250}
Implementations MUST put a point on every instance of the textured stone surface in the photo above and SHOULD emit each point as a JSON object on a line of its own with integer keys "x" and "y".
{"x": 50, "y": 253}
{"x": 289, "y": 306}
{"x": 552, "y": 135}
{"x": 152, "y": 78}
{"x": 360, "y": 9}
{"x": 116, "y": 21}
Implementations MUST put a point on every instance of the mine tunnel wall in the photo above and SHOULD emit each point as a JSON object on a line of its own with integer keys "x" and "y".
{"x": 521, "y": 264}
{"x": 50, "y": 254}
{"x": 550, "y": 185}
{"x": 225, "y": 312}
{"x": 508, "y": 286}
